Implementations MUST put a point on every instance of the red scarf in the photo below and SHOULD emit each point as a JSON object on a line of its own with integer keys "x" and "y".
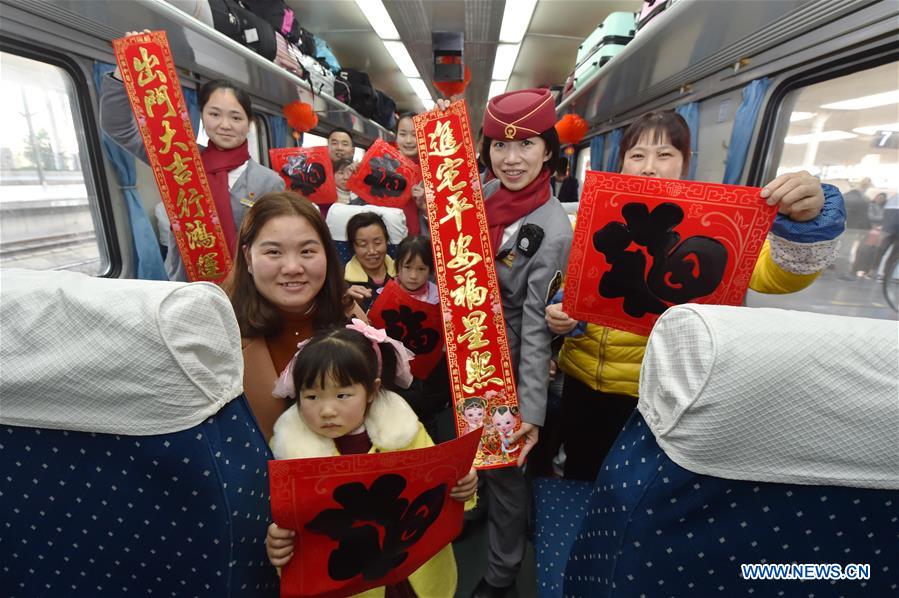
{"x": 218, "y": 163}
{"x": 505, "y": 207}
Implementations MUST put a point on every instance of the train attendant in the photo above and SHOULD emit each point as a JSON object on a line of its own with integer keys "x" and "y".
{"x": 415, "y": 210}
{"x": 370, "y": 268}
{"x": 602, "y": 365}
{"x": 235, "y": 179}
{"x": 285, "y": 285}
{"x": 531, "y": 236}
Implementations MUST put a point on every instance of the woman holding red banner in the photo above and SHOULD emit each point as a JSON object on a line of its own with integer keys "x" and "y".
{"x": 285, "y": 285}
{"x": 531, "y": 236}
{"x": 236, "y": 180}
{"x": 602, "y": 365}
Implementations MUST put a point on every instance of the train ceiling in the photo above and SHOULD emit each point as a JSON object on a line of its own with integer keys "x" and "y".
{"x": 546, "y": 56}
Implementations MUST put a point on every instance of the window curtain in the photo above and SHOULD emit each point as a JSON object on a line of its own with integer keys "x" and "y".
{"x": 690, "y": 112}
{"x": 744, "y": 124}
{"x": 614, "y": 141}
{"x": 281, "y": 136}
{"x": 193, "y": 107}
{"x": 597, "y": 146}
{"x": 144, "y": 244}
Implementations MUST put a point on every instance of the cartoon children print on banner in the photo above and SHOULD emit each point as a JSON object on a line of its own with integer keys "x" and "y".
{"x": 385, "y": 177}
{"x": 365, "y": 521}
{"x": 306, "y": 170}
{"x": 644, "y": 244}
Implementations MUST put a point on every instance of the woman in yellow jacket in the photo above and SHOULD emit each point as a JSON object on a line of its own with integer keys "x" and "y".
{"x": 602, "y": 365}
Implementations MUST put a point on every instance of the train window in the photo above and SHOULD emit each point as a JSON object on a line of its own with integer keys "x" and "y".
{"x": 844, "y": 131}
{"x": 716, "y": 122}
{"x": 48, "y": 200}
{"x": 583, "y": 163}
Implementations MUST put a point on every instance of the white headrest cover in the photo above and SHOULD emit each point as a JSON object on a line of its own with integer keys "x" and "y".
{"x": 339, "y": 214}
{"x": 774, "y": 395}
{"x": 115, "y": 356}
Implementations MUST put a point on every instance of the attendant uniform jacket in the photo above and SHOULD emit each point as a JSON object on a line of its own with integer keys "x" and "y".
{"x": 526, "y": 288}
{"x": 608, "y": 360}
{"x": 392, "y": 426}
{"x": 117, "y": 121}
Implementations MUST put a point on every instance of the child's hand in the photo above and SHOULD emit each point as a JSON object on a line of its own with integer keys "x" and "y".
{"x": 466, "y": 487}
{"x": 279, "y": 545}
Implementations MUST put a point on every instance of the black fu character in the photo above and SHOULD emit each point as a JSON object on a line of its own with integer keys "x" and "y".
{"x": 405, "y": 325}
{"x": 376, "y": 527}
{"x": 384, "y": 180}
{"x": 305, "y": 176}
{"x": 678, "y": 273}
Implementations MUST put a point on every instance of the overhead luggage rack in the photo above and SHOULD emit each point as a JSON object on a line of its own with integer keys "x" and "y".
{"x": 693, "y": 40}
{"x": 195, "y": 46}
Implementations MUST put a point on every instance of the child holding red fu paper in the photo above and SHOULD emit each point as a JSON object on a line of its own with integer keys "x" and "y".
{"x": 342, "y": 380}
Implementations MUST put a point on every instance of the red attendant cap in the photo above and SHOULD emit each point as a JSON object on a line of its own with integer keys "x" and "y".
{"x": 520, "y": 114}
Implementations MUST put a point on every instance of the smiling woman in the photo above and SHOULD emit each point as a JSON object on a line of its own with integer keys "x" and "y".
{"x": 285, "y": 285}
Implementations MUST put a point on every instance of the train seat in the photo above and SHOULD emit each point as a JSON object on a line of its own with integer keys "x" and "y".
{"x": 761, "y": 436}
{"x": 131, "y": 463}
{"x": 339, "y": 214}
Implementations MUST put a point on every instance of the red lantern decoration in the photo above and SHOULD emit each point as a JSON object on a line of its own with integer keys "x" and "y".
{"x": 452, "y": 88}
{"x": 300, "y": 117}
{"x": 571, "y": 129}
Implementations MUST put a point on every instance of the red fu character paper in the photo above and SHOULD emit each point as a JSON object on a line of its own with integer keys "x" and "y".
{"x": 415, "y": 323}
{"x": 154, "y": 92}
{"x": 477, "y": 351}
{"x": 385, "y": 177}
{"x": 365, "y": 521}
{"x": 644, "y": 244}
{"x": 306, "y": 170}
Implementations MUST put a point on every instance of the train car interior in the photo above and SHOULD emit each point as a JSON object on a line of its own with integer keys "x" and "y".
{"x": 92, "y": 505}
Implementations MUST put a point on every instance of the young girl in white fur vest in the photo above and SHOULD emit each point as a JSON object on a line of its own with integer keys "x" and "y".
{"x": 344, "y": 407}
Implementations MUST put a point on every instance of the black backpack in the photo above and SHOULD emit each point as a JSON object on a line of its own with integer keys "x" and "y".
{"x": 233, "y": 19}
{"x": 358, "y": 92}
{"x": 385, "y": 114}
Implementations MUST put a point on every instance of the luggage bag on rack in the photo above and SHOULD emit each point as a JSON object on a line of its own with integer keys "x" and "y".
{"x": 606, "y": 41}
{"x": 651, "y": 10}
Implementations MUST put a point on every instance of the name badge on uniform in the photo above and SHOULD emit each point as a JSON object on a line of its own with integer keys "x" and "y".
{"x": 507, "y": 257}
{"x": 249, "y": 200}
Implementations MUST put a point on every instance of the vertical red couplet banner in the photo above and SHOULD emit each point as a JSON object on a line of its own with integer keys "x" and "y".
{"x": 477, "y": 351}
{"x": 154, "y": 92}
{"x": 643, "y": 244}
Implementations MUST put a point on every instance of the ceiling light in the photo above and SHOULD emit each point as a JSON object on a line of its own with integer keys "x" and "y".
{"x": 377, "y": 16}
{"x": 402, "y": 59}
{"x": 516, "y": 18}
{"x": 865, "y": 102}
{"x": 420, "y": 89}
{"x": 497, "y": 88}
{"x": 822, "y": 136}
{"x": 875, "y": 129}
{"x": 797, "y": 116}
{"x": 506, "y": 55}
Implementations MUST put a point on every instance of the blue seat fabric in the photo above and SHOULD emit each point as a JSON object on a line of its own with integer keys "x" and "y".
{"x": 180, "y": 514}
